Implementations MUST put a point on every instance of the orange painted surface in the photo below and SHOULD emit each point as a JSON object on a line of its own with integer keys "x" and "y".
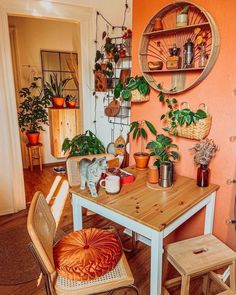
{"x": 218, "y": 92}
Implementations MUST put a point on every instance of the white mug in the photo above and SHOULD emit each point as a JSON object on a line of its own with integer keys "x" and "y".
{"x": 112, "y": 184}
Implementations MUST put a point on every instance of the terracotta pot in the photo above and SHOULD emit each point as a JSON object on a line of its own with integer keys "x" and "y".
{"x": 71, "y": 104}
{"x": 58, "y": 102}
{"x": 33, "y": 138}
{"x": 141, "y": 160}
{"x": 157, "y": 25}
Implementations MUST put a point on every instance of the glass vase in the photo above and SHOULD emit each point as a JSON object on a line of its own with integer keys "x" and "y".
{"x": 203, "y": 175}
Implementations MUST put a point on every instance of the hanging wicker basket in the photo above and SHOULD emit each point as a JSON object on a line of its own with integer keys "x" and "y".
{"x": 197, "y": 131}
{"x": 138, "y": 97}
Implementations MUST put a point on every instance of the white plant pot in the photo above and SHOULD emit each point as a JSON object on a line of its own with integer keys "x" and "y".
{"x": 182, "y": 20}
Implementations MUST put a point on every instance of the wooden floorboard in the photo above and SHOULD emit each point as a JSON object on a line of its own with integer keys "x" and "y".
{"x": 139, "y": 262}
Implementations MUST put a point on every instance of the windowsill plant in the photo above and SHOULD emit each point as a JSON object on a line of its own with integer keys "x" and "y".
{"x": 138, "y": 128}
{"x": 54, "y": 90}
{"x": 71, "y": 101}
{"x": 32, "y": 113}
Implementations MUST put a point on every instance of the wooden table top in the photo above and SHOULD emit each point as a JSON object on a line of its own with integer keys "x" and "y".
{"x": 153, "y": 208}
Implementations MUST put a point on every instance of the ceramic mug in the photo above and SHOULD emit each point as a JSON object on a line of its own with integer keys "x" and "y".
{"x": 111, "y": 184}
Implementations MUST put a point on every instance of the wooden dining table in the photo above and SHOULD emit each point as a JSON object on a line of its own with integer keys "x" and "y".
{"x": 151, "y": 213}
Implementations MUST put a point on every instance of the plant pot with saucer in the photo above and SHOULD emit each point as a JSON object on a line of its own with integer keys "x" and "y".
{"x": 138, "y": 128}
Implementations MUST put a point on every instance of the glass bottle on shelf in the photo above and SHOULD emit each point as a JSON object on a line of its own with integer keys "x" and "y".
{"x": 203, "y": 175}
{"x": 203, "y": 56}
{"x": 188, "y": 54}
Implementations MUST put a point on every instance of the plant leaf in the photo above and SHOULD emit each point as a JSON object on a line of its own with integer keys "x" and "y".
{"x": 151, "y": 127}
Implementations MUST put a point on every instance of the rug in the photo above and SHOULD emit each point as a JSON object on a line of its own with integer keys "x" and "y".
{"x": 17, "y": 265}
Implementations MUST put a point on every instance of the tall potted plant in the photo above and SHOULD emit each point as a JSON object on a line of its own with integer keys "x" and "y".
{"x": 32, "y": 112}
{"x": 54, "y": 90}
{"x": 138, "y": 128}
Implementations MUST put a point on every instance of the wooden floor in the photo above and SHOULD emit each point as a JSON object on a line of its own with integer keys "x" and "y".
{"x": 139, "y": 262}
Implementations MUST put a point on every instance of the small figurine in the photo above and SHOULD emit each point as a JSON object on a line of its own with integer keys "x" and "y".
{"x": 90, "y": 172}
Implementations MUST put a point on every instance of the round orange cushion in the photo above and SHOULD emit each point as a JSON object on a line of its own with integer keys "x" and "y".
{"x": 87, "y": 254}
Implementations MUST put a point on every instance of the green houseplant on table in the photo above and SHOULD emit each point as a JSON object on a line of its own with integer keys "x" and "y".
{"x": 32, "y": 113}
{"x": 83, "y": 144}
{"x": 54, "y": 90}
{"x": 140, "y": 133}
{"x": 136, "y": 89}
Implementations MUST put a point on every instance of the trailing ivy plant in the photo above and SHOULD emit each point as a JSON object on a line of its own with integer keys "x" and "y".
{"x": 162, "y": 147}
{"x": 176, "y": 116}
{"x": 139, "y": 131}
{"x": 83, "y": 144}
{"x": 137, "y": 82}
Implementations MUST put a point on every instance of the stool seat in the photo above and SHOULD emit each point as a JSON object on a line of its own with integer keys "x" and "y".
{"x": 200, "y": 256}
{"x": 32, "y": 146}
{"x": 201, "y": 253}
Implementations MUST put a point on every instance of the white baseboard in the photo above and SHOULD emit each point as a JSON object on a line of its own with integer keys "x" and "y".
{"x": 6, "y": 212}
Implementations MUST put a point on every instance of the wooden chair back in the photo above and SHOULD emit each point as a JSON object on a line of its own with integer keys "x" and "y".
{"x": 72, "y": 167}
{"x": 42, "y": 228}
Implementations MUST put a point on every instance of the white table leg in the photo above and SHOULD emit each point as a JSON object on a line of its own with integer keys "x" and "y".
{"x": 209, "y": 215}
{"x": 77, "y": 213}
{"x": 156, "y": 263}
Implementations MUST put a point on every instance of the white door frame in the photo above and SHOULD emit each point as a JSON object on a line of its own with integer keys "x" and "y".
{"x": 42, "y": 9}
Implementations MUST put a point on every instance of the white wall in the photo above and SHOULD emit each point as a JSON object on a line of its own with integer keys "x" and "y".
{"x": 32, "y": 35}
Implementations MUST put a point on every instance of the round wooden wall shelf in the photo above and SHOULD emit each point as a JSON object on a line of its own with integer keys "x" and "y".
{"x": 164, "y": 32}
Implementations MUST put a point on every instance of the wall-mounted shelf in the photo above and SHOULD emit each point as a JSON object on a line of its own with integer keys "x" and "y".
{"x": 155, "y": 47}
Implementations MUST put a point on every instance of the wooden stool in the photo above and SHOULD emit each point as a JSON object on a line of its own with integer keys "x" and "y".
{"x": 38, "y": 149}
{"x": 197, "y": 257}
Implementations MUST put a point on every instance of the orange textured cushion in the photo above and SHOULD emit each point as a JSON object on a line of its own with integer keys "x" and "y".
{"x": 87, "y": 254}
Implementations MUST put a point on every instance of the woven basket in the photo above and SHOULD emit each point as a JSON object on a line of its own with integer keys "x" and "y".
{"x": 138, "y": 97}
{"x": 196, "y": 131}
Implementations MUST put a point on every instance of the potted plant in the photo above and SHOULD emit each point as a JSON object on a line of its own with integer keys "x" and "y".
{"x": 164, "y": 151}
{"x": 182, "y": 17}
{"x": 71, "y": 101}
{"x": 54, "y": 90}
{"x": 139, "y": 132}
{"x": 204, "y": 151}
{"x": 32, "y": 113}
{"x": 136, "y": 89}
{"x": 83, "y": 144}
{"x": 111, "y": 50}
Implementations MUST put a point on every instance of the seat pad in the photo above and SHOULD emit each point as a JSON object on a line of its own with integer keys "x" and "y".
{"x": 87, "y": 254}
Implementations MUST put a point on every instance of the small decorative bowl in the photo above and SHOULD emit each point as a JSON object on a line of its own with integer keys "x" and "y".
{"x": 155, "y": 65}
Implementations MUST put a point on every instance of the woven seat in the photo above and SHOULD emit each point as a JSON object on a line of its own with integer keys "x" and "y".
{"x": 42, "y": 229}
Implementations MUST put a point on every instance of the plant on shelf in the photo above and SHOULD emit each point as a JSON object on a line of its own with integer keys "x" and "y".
{"x": 32, "y": 113}
{"x": 162, "y": 147}
{"x": 111, "y": 50}
{"x": 54, "y": 90}
{"x": 140, "y": 133}
{"x": 103, "y": 70}
{"x": 71, "y": 101}
{"x": 178, "y": 117}
{"x": 204, "y": 151}
{"x": 182, "y": 17}
{"x": 133, "y": 86}
{"x": 83, "y": 144}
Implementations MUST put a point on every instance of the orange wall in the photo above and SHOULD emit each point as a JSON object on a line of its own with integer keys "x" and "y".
{"x": 218, "y": 91}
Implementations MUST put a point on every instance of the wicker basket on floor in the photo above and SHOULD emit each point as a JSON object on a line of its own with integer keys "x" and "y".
{"x": 197, "y": 131}
{"x": 138, "y": 97}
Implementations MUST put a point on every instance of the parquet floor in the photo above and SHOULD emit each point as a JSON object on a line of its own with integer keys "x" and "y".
{"x": 139, "y": 262}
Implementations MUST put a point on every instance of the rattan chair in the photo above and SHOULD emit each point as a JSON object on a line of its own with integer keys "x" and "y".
{"x": 42, "y": 230}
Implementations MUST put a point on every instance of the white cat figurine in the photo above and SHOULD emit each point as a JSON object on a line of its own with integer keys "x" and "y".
{"x": 90, "y": 172}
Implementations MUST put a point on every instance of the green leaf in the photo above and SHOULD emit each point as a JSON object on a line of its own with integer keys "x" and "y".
{"x": 133, "y": 125}
{"x": 166, "y": 129}
{"x": 151, "y": 127}
{"x": 136, "y": 133}
{"x": 201, "y": 114}
{"x": 143, "y": 133}
{"x": 174, "y": 100}
{"x": 163, "y": 116}
{"x": 126, "y": 94}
